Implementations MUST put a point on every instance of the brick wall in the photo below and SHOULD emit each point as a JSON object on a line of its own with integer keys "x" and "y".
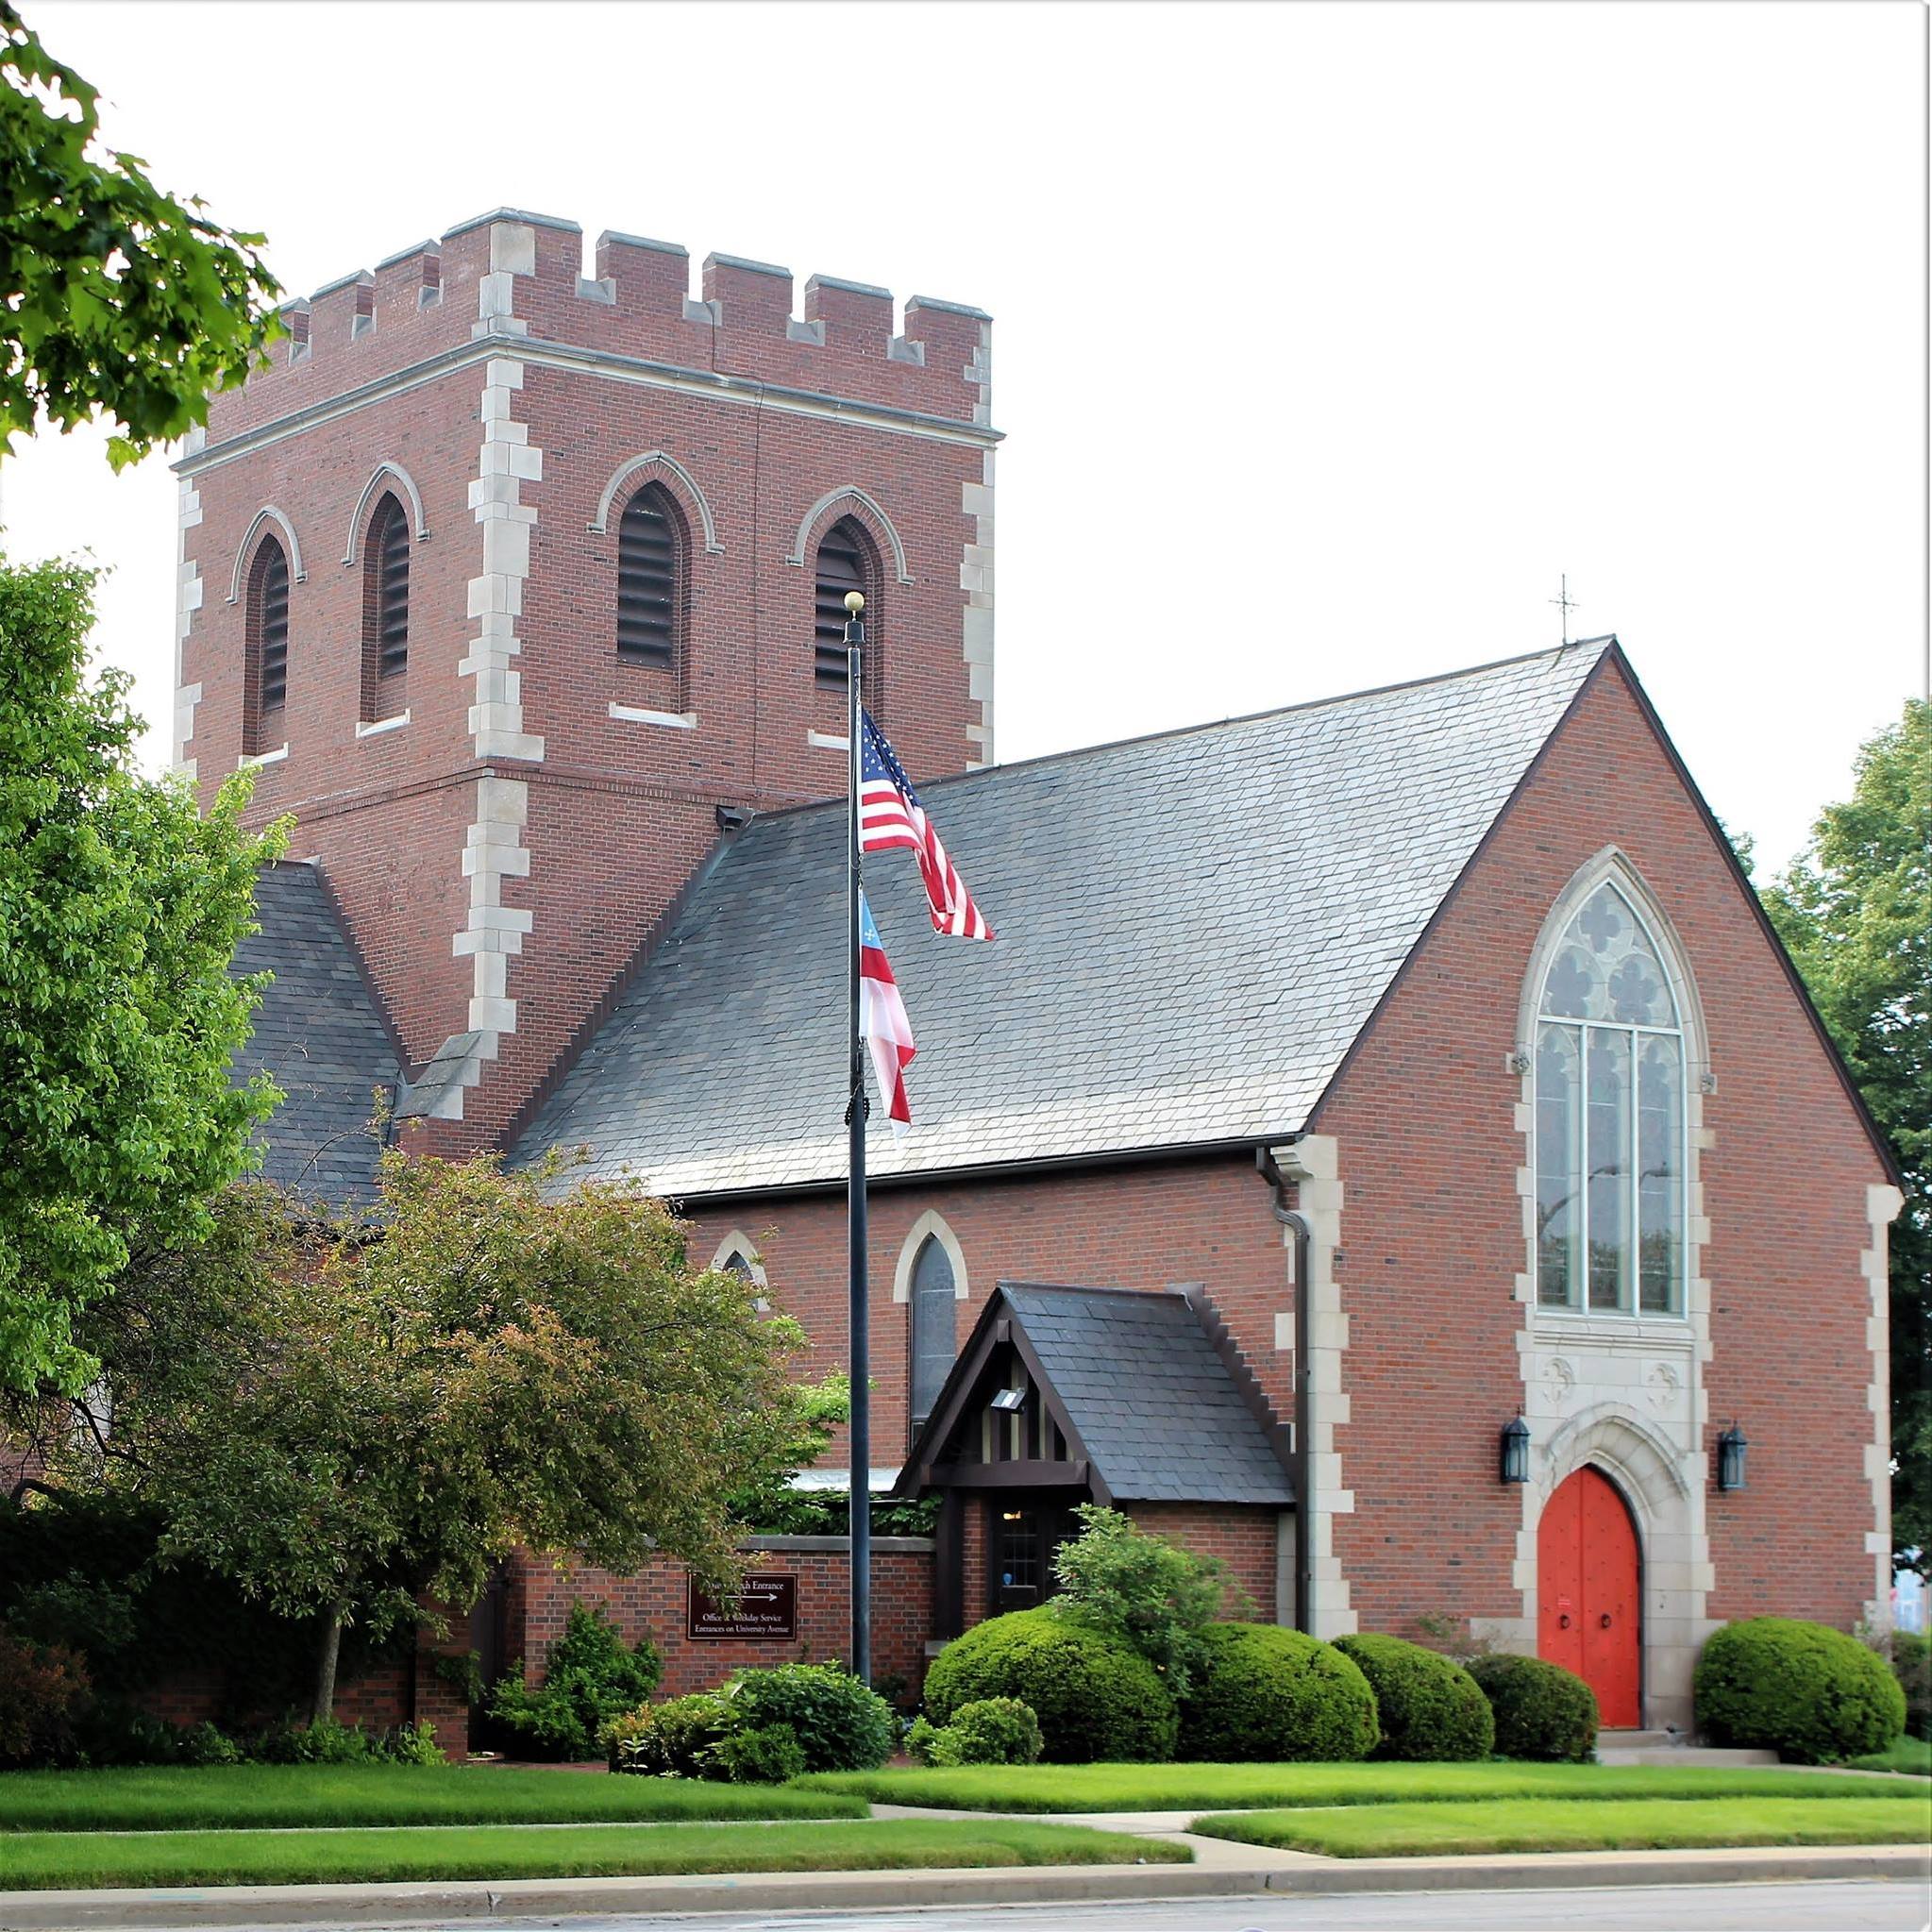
{"x": 1433, "y": 1237}
{"x": 652, "y": 1603}
{"x": 1248, "y": 1541}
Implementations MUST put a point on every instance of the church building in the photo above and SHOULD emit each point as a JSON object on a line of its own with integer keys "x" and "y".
{"x": 1385, "y": 1146}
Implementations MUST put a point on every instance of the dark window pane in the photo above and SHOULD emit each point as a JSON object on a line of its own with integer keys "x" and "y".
{"x": 391, "y": 537}
{"x": 934, "y": 1343}
{"x": 272, "y": 628}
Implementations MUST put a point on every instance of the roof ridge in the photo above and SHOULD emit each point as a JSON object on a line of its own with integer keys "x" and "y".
{"x": 1075, "y": 1289}
{"x": 1608, "y": 641}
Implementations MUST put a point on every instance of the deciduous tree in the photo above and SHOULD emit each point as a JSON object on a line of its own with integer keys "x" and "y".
{"x": 1855, "y": 912}
{"x": 120, "y": 909}
{"x": 117, "y": 298}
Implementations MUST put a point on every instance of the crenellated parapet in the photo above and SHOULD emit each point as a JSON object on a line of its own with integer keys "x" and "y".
{"x": 513, "y": 273}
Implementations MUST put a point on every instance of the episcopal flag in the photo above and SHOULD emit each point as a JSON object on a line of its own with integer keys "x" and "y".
{"x": 882, "y": 1022}
{"x": 890, "y": 815}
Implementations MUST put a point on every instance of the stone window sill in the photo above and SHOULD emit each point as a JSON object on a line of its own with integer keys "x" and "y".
{"x": 250, "y": 759}
{"x": 395, "y": 724}
{"x": 666, "y": 720}
{"x": 1641, "y": 1332}
{"x": 826, "y": 741}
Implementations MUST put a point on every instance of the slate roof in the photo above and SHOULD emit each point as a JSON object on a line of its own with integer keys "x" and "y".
{"x": 320, "y": 1037}
{"x": 1192, "y": 930}
{"x": 1153, "y": 1403}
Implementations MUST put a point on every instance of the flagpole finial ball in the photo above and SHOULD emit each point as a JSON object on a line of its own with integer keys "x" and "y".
{"x": 855, "y": 601}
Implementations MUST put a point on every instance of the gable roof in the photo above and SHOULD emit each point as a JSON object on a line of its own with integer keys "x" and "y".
{"x": 1193, "y": 929}
{"x": 319, "y": 1036}
{"x": 1153, "y": 1409}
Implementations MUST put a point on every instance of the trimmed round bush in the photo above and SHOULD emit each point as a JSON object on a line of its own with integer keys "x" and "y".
{"x": 670, "y": 1740}
{"x": 1911, "y": 1664}
{"x": 1542, "y": 1711}
{"x": 1262, "y": 1694}
{"x": 1097, "y": 1700}
{"x": 768, "y": 1757}
{"x": 1429, "y": 1706}
{"x": 995, "y": 1730}
{"x": 1805, "y": 1690}
{"x": 839, "y": 1723}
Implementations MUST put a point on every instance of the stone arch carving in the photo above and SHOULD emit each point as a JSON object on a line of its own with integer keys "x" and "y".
{"x": 930, "y": 1225}
{"x": 670, "y": 471}
{"x": 739, "y": 1244}
{"x": 1629, "y": 1449}
{"x": 267, "y": 514}
{"x": 1613, "y": 865}
{"x": 849, "y": 500}
{"x": 395, "y": 473}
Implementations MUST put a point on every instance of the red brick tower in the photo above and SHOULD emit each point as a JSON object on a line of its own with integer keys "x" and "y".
{"x": 400, "y": 600}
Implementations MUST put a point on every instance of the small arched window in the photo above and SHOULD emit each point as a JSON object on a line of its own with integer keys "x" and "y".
{"x": 934, "y": 1343}
{"x": 266, "y": 649}
{"x": 651, "y": 580}
{"x": 846, "y": 562}
{"x": 1609, "y": 1119}
{"x": 385, "y": 610}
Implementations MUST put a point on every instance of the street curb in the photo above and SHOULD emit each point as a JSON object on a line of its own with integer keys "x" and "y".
{"x": 128, "y": 1910}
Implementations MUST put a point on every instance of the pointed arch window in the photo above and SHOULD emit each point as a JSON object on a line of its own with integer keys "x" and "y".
{"x": 935, "y": 1340}
{"x": 385, "y": 609}
{"x": 266, "y": 649}
{"x": 1610, "y": 1147}
{"x": 846, "y": 562}
{"x": 651, "y": 553}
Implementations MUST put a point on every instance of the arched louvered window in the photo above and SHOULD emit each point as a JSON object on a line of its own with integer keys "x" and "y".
{"x": 844, "y": 564}
{"x": 385, "y": 610}
{"x": 934, "y": 1342}
{"x": 650, "y": 573}
{"x": 266, "y": 645}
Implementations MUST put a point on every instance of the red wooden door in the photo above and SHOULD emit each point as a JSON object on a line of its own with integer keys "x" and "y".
{"x": 1586, "y": 1593}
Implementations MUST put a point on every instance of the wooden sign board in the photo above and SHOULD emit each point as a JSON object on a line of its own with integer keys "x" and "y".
{"x": 767, "y": 1611}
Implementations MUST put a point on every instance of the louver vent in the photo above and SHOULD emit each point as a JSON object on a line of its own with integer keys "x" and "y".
{"x": 647, "y": 583}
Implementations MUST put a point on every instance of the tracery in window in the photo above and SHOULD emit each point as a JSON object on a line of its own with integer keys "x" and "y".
{"x": 1609, "y": 1119}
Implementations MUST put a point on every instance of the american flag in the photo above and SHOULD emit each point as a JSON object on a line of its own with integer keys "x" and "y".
{"x": 890, "y": 815}
{"x": 882, "y": 1022}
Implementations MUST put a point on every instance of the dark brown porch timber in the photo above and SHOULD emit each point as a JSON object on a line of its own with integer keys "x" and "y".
{"x": 1020, "y": 1473}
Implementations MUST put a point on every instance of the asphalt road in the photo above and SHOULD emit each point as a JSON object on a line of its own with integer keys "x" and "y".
{"x": 1817, "y": 1905}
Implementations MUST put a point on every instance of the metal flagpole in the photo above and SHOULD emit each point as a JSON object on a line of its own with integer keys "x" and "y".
{"x": 860, "y": 1509}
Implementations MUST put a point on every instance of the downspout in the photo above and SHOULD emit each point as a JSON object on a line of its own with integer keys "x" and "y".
{"x": 1296, "y": 1222}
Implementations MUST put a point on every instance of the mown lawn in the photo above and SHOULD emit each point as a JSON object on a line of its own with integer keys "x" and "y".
{"x": 181, "y": 1798}
{"x": 1395, "y": 1831}
{"x": 1189, "y": 1786}
{"x": 34, "y": 1861}
{"x": 1912, "y": 1755}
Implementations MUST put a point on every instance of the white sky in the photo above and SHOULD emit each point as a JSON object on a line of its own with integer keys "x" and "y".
{"x": 1326, "y": 336}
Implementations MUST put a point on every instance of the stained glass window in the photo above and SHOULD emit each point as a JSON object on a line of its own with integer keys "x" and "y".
{"x": 1610, "y": 1119}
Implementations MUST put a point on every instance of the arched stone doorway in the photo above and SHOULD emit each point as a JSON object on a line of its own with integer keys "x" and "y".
{"x": 1590, "y": 1598}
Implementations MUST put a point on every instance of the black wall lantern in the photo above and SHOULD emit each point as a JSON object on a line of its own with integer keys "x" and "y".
{"x": 1731, "y": 1448}
{"x": 1515, "y": 1451}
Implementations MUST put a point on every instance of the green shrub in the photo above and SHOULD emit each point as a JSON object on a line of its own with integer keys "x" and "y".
{"x": 995, "y": 1730}
{"x": 591, "y": 1676}
{"x": 672, "y": 1740}
{"x": 1096, "y": 1699}
{"x": 839, "y": 1723}
{"x": 922, "y": 1736}
{"x": 1805, "y": 1690}
{"x": 206, "y": 1744}
{"x": 410, "y": 1745}
{"x": 1271, "y": 1695}
{"x": 43, "y": 1687}
{"x": 326, "y": 1741}
{"x": 1542, "y": 1711}
{"x": 1151, "y": 1594}
{"x": 1911, "y": 1663}
{"x": 1428, "y": 1705}
{"x": 767, "y": 1755}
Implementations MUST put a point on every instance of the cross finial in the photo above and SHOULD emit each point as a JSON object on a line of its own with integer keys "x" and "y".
{"x": 1566, "y": 603}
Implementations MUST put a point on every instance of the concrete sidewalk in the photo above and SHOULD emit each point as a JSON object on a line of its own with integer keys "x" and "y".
{"x": 1249, "y": 1872}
